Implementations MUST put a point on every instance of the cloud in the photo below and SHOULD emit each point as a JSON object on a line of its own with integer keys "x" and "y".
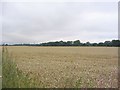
{"x": 41, "y": 22}
{"x": 0, "y": 23}
{"x": 59, "y": 0}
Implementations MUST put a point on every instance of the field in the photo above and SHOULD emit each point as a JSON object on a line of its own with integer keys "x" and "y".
{"x": 0, "y": 67}
{"x": 69, "y": 67}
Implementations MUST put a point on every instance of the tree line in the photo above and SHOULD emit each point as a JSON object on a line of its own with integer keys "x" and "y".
{"x": 73, "y": 43}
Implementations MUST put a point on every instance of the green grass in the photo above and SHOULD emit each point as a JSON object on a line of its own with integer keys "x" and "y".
{"x": 12, "y": 76}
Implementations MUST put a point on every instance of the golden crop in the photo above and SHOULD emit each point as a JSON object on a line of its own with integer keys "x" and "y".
{"x": 59, "y": 67}
{"x": 0, "y": 67}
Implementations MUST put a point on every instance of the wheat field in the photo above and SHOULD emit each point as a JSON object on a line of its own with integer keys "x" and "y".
{"x": 0, "y": 67}
{"x": 68, "y": 67}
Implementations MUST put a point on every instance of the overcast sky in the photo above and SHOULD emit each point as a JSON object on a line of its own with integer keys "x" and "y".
{"x": 35, "y": 22}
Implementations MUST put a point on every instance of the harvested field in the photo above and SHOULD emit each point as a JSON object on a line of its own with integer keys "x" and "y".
{"x": 69, "y": 67}
{"x": 0, "y": 67}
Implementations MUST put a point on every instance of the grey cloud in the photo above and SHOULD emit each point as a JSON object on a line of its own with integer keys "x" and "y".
{"x": 41, "y": 22}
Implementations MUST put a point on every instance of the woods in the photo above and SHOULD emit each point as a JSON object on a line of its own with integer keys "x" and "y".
{"x": 115, "y": 43}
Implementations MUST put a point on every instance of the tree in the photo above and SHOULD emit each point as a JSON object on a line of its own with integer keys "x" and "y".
{"x": 101, "y": 44}
{"x": 88, "y": 44}
{"x": 107, "y": 43}
{"x": 94, "y": 44}
{"x": 115, "y": 42}
{"x": 69, "y": 43}
{"x": 76, "y": 43}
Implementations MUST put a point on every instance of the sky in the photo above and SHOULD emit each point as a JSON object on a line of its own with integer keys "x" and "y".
{"x": 36, "y": 22}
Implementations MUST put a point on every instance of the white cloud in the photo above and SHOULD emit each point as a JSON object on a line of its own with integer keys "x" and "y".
{"x": 59, "y": 0}
{"x": 41, "y": 22}
{"x": 0, "y": 23}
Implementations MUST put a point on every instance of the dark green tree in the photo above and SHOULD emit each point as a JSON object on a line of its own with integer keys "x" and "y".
{"x": 88, "y": 44}
{"x": 115, "y": 42}
{"x": 76, "y": 43}
{"x": 107, "y": 43}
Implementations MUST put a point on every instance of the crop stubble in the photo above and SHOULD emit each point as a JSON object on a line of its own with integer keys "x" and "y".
{"x": 69, "y": 66}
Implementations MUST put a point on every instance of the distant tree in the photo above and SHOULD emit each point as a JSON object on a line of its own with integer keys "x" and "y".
{"x": 76, "y": 43}
{"x": 115, "y": 42}
{"x": 88, "y": 44}
{"x": 107, "y": 43}
{"x": 61, "y": 42}
{"x": 6, "y": 44}
{"x": 69, "y": 43}
{"x": 101, "y": 44}
{"x": 94, "y": 44}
